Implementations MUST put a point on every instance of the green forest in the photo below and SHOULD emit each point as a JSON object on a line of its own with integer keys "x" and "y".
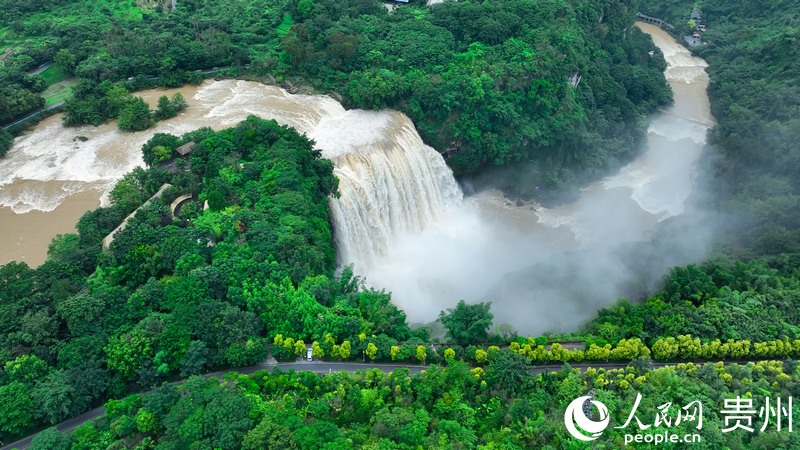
{"x": 754, "y": 64}
{"x": 487, "y": 84}
{"x": 452, "y": 407}
{"x": 246, "y": 268}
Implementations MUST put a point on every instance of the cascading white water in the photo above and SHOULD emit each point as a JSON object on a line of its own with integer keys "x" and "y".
{"x": 391, "y": 183}
{"x": 551, "y": 269}
{"x": 402, "y": 220}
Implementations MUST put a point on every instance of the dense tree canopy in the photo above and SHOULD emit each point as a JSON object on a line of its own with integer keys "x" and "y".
{"x": 178, "y": 295}
{"x": 449, "y": 407}
{"x": 467, "y": 324}
{"x": 720, "y": 299}
{"x": 558, "y": 88}
{"x": 754, "y": 64}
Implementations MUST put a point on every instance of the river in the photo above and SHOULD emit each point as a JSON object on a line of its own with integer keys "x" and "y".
{"x": 552, "y": 269}
{"x": 402, "y": 219}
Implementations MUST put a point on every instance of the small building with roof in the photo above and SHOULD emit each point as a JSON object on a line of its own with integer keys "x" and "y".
{"x": 185, "y": 149}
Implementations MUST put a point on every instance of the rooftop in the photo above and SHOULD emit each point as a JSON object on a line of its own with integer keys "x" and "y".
{"x": 184, "y": 149}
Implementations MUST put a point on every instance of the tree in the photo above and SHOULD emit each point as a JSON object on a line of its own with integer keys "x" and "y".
{"x": 299, "y": 348}
{"x": 16, "y": 408}
{"x": 689, "y": 348}
{"x": 55, "y": 398}
{"x": 630, "y": 349}
{"x": 509, "y": 371}
{"x": 210, "y": 416}
{"x": 241, "y": 354}
{"x": 269, "y": 435}
{"x": 135, "y": 116}
{"x": 467, "y": 324}
{"x": 50, "y": 439}
{"x": 597, "y": 353}
{"x": 81, "y": 313}
{"x": 128, "y": 352}
{"x": 167, "y": 108}
{"x": 27, "y": 369}
{"x": 161, "y": 141}
{"x": 665, "y": 349}
{"x": 344, "y": 350}
{"x": 116, "y": 99}
{"x": 304, "y": 7}
{"x": 216, "y": 201}
{"x": 371, "y": 351}
{"x": 80, "y": 350}
{"x": 15, "y": 102}
{"x": 421, "y": 353}
{"x": 66, "y": 60}
{"x": 382, "y": 315}
{"x": 164, "y": 109}
{"x": 195, "y": 358}
{"x": 128, "y": 194}
{"x": 558, "y": 353}
{"x": 179, "y": 102}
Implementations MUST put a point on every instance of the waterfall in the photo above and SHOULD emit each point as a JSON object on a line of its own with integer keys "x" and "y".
{"x": 391, "y": 183}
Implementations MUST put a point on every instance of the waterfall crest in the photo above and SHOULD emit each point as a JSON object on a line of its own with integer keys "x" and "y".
{"x": 391, "y": 183}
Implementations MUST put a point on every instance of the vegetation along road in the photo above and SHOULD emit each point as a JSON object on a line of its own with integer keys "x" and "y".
{"x": 324, "y": 367}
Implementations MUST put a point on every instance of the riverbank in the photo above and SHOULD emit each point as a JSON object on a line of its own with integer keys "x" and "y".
{"x": 53, "y": 175}
{"x": 88, "y": 161}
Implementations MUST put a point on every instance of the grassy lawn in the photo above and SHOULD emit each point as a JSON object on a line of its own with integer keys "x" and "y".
{"x": 284, "y": 27}
{"x": 54, "y": 74}
{"x": 58, "y": 92}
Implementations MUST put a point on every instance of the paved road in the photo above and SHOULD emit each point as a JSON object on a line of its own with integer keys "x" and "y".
{"x": 312, "y": 366}
{"x": 41, "y": 68}
{"x": 325, "y": 367}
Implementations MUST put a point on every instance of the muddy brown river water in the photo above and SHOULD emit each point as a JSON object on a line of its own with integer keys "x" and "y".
{"x": 402, "y": 220}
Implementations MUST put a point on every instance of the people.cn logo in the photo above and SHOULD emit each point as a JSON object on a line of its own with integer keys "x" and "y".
{"x": 577, "y": 422}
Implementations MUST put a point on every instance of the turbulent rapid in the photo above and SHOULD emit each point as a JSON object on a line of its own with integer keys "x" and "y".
{"x": 401, "y": 218}
{"x": 391, "y": 183}
{"x": 552, "y": 269}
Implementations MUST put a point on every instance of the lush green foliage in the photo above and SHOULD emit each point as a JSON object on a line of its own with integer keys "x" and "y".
{"x": 168, "y": 108}
{"x": 754, "y": 63}
{"x": 718, "y": 300}
{"x": 94, "y": 103}
{"x": 19, "y": 91}
{"x": 135, "y": 116}
{"x": 493, "y": 83}
{"x": 467, "y": 324}
{"x": 558, "y": 87}
{"x": 443, "y": 408}
{"x": 176, "y": 296}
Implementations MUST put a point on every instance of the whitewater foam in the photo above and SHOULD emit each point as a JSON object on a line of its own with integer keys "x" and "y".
{"x": 391, "y": 183}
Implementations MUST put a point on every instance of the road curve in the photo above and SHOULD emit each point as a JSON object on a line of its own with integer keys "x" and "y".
{"x": 328, "y": 367}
